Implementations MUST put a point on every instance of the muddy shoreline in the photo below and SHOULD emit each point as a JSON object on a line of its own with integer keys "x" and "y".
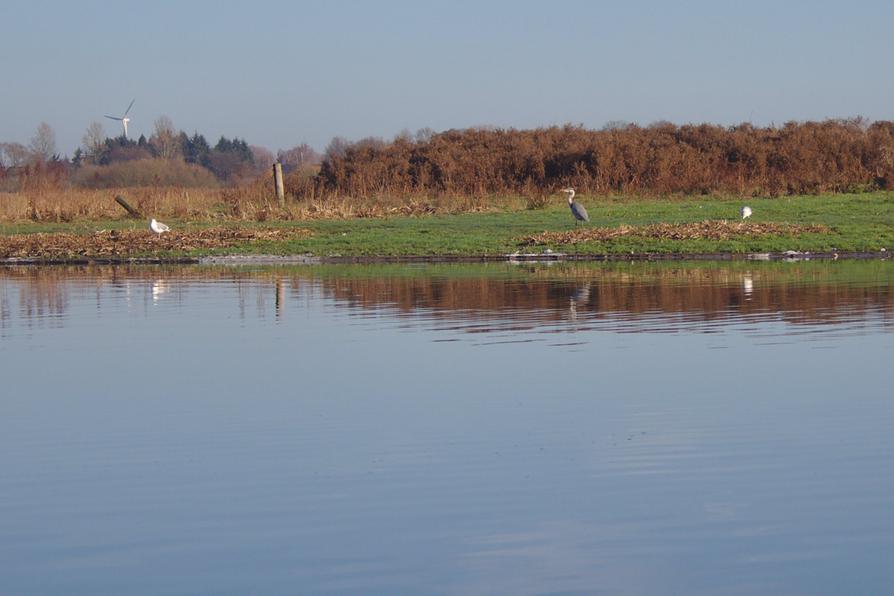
{"x": 266, "y": 260}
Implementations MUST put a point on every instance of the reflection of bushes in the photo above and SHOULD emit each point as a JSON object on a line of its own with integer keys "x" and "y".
{"x": 798, "y": 293}
{"x": 144, "y": 172}
{"x": 798, "y": 158}
{"x": 802, "y": 293}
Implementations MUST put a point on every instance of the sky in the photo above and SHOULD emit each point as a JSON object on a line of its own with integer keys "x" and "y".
{"x": 287, "y": 72}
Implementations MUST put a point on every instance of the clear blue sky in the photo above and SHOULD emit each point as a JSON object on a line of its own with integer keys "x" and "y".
{"x": 280, "y": 73}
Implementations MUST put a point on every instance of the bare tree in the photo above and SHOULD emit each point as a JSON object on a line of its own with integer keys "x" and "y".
{"x": 43, "y": 143}
{"x": 13, "y": 155}
{"x": 424, "y": 135}
{"x": 337, "y": 147}
{"x": 404, "y": 136}
{"x": 165, "y": 139}
{"x": 262, "y": 156}
{"x": 94, "y": 141}
{"x": 370, "y": 143}
{"x": 617, "y": 125}
{"x": 298, "y": 156}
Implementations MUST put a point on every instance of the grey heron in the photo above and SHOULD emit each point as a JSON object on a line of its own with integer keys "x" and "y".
{"x": 158, "y": 227}
{"x": 577, "y": 210}
{"x": 745, "y": 212}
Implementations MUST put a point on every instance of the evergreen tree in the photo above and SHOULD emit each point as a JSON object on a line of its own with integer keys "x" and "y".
{"x": 224, "y": 145}
{"x": 197, "y": 150}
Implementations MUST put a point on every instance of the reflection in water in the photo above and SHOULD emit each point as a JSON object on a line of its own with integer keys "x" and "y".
{"x": 160, "y": 287}
{"x": 626, "y": 298}
{"x": 618, "y": 428}
{"x": 747, "y": 286}
{"x": 580, "y": 296}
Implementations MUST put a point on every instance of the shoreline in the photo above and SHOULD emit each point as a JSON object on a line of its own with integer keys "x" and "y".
{"x": 267, "y": 260}
{"x": 854, "y": 226}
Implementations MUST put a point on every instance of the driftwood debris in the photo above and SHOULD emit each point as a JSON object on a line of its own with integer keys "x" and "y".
{"x": 130, "y": 210}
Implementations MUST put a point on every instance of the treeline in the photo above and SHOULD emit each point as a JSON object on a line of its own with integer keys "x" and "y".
{"x": 797, "y": 158}
{"x": 663, "y": 158}
{"x": 167, "y": 158}
{"x": 230, "y": 160}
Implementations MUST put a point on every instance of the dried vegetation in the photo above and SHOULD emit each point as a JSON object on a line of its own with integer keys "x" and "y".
{"x": 704, "y": 230}
{"x": 247, "y": 203}
{"x": 129, "y": 243}
{"x": 480, "y": 169}
{"x": 797, "y": 158}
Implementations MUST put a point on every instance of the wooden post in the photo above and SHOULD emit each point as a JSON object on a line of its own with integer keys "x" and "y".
{"x": 130, "y": 210}
{"x": 278, "y": 184}
{"x": 280, "y": 296}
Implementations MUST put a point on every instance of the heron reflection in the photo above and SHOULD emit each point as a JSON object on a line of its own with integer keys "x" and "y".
{"x": 580, "y": 297}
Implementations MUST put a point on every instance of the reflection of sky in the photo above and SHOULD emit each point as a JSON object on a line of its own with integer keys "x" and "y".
{"x": 194, "y": 441}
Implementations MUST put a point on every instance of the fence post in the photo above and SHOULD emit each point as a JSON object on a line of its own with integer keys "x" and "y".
{"x": 278, "y": 184}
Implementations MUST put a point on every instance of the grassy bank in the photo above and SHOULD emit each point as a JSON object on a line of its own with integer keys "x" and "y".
{"x": 847, "y": 223}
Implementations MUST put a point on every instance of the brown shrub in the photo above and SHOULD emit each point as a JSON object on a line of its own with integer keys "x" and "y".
{"x": 797, "y": 158}
{"x": 144, "y": 172}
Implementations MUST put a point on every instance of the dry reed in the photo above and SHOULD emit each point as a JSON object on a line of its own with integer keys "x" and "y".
{"x": 245, "y": 203}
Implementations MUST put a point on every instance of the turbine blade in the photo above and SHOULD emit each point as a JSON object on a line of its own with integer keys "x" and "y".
{"x": 113, "y": 117}
{"x": 130, "y": 106}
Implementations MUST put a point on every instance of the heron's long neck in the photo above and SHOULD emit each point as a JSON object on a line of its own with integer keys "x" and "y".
{"x": 570, "y": 195}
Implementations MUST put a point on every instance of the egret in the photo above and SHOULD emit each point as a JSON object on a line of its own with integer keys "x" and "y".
{"x": 158, "y": 227}
{"x": 745, "y": 211}
{"x": 577, "y": 210}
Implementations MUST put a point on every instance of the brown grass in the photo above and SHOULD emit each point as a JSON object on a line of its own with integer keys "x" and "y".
{"x": 245, "y": 203}
{"x": 704, "y": 230}
{"x": 131, "y": 243}
{"x": 63, "y": 205}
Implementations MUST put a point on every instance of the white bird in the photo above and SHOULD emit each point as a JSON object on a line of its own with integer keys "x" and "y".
{"x": 745, "y": 211}
{"x": 158, "y": 227}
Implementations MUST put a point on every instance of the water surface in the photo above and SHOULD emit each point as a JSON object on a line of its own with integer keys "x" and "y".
{"x": 584, "y": 428}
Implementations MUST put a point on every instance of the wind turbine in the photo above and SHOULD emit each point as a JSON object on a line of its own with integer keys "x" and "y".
{"x": 124, "y": 119}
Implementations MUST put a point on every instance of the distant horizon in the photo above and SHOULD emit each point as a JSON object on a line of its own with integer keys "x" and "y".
{"x": 301, "y": 72}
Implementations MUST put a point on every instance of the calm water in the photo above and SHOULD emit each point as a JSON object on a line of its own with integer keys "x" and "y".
{"x": 618, "y": 429}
